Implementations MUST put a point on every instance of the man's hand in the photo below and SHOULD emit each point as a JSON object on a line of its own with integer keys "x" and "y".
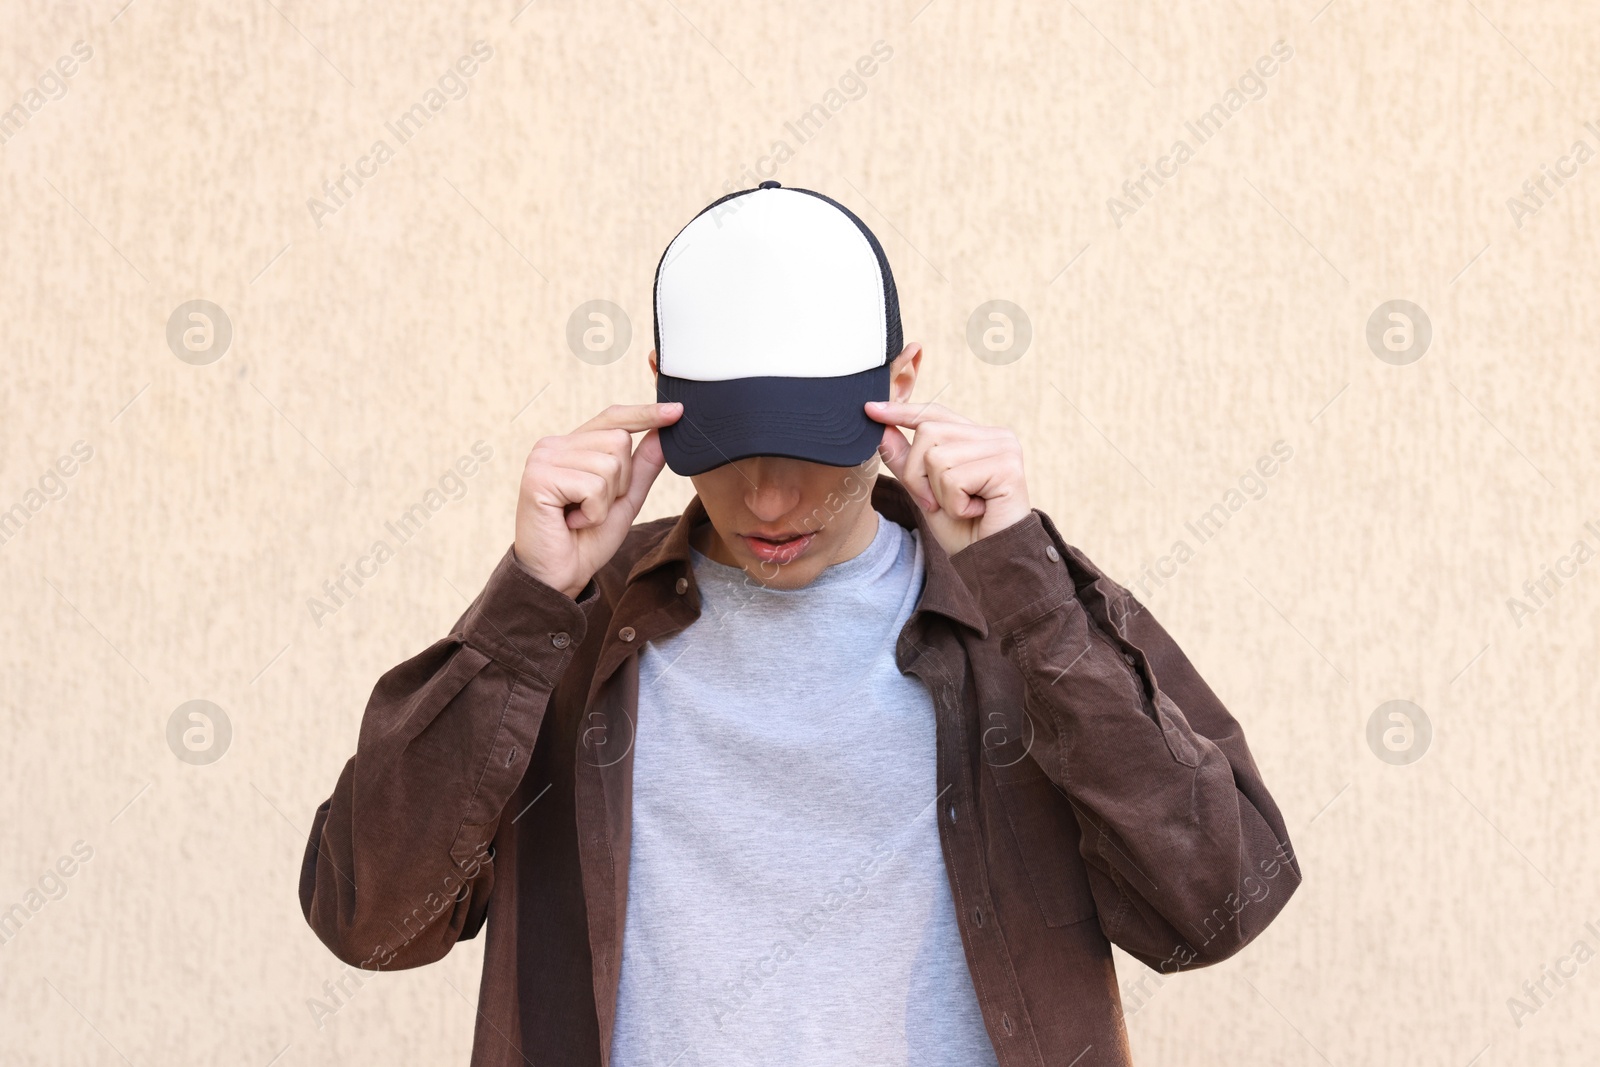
{"x": 581, "y": 493}
{"x": 967, "y": 478}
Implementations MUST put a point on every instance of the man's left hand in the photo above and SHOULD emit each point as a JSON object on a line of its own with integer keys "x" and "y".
{"x": 967, "y": 478}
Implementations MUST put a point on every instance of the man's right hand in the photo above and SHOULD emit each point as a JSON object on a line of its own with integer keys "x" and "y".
{"x": 581, "y": 493}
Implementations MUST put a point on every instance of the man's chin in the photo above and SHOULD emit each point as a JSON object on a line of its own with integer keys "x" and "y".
{"x": 795, "y": 575}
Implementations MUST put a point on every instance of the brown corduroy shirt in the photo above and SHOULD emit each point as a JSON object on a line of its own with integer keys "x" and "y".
{"x": 1091, "y": 790}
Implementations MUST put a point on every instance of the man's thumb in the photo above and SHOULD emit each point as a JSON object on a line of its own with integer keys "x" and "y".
{"x": 648, "y": 460}
{"x": 894, "y": 450}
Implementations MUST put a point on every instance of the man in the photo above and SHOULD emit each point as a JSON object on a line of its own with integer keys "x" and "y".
{"x": 827, "y": 770}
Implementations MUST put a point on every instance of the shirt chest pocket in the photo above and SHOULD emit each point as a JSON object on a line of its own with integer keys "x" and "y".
{"x": 1047, "y": 837}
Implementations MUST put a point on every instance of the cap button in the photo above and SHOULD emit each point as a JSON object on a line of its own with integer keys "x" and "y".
{"x": 770, "y": 185}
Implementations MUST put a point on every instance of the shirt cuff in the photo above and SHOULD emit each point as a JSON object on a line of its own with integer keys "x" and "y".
{"x": 525, "y": 624}
{"x": 1015, "y": 575}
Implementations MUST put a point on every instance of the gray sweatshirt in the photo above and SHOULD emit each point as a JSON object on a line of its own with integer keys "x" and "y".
{"x": 786, "y": 872}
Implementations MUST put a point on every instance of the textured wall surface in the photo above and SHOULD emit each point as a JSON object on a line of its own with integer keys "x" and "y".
{"x": 180, "y": 488}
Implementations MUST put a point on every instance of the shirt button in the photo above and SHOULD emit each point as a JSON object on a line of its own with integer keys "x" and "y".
{"x": 560, "y": 640}
{"x": 1052, "y": 555}
{"x": 682, "y": 586}
{"x": 1129, "y": 657}
{"x": 626, "y": 633}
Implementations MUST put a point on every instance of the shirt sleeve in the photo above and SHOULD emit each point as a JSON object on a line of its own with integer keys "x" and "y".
{"x": 398, "y": 865}
{"x": 1187, "y": 854}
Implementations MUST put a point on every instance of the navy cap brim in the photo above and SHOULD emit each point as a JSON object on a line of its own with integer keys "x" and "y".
{"x": 821, "y": 420}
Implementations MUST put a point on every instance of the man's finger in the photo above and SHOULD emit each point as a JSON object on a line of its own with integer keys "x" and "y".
{"x": 891, "y": 413}
{"x": 606, "y": 465}
{"x": 634, "y": 417}
{"x": 618, "y": 442}
{"x": 943, "y": 455}
{"x": 963, "y": 488}
{"x": 584, "y": 496}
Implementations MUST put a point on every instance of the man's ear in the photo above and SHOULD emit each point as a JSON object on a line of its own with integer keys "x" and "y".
{"x": 654, "y": 370}
{"x": 903, "y": 372}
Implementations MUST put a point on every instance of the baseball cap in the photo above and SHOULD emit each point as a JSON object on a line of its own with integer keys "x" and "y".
{"x": 776, "y": 319}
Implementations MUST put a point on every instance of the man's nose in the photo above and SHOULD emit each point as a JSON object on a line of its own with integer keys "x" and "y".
{"x": 768, "y": 496}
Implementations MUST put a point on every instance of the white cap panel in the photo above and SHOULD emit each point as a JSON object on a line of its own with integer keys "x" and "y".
{"x": 773, "y": 283}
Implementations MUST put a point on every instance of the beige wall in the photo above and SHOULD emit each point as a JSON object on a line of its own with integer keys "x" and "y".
{"x": 376, "y": 343}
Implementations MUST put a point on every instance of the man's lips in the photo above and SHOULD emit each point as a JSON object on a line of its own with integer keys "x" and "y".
{"x": 778, "y": 549}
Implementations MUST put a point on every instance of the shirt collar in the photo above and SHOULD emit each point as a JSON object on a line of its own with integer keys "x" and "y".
{"x": 944, "y": 593}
